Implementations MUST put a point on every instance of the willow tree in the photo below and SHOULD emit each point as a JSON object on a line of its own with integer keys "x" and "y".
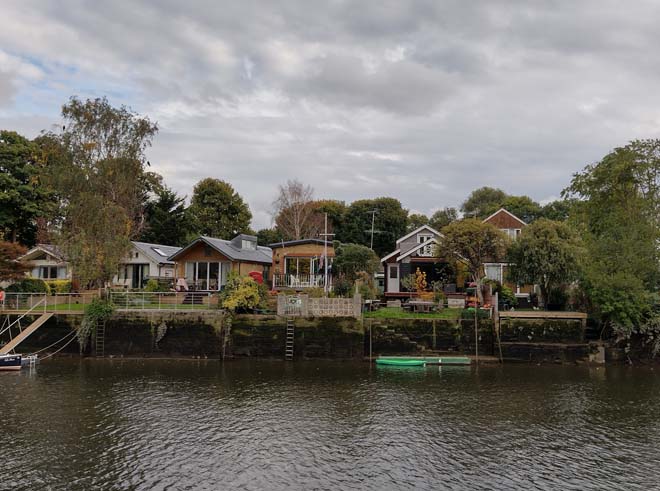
{"x": 101, "y": 179}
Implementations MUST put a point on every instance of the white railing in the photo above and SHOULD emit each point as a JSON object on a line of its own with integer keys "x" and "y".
{"x": 57, "y": 302}
{"x": 177, "y": 301}
{"x": 300, "y": 280}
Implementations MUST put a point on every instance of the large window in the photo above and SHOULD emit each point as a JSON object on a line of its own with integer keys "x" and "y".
{"x": 207, "y": 275}
{"x": 300, "y": 265}
{"x": 48, "y": 272}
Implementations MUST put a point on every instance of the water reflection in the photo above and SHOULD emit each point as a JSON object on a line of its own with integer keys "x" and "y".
{"x": 273, "y": 425}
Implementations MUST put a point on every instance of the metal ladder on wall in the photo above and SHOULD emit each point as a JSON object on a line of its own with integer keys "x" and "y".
{"x": 290, "y": 338}
{"x": 99, "y": 344}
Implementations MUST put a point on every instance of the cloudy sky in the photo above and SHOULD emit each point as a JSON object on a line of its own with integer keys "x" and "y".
{"x": 421, "y": 100}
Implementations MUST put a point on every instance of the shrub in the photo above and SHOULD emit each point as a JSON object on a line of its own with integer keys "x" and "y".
{"x": 342, "y": 286}
{"x": 59, "y": 286}
{"x": 155, "y": 286}
{"x": 468, "y": 314}
{"x": 242, "y": 293}
{"x": 29, "y": 285}
{"x": 96, "y": 311}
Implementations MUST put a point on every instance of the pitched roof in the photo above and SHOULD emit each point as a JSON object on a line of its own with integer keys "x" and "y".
{"x": 157, "y": 253}
{"x": 225, "y": 247}
{"x": 288, "y": 243}
{"x": 49, "y": 249}
{"x": 508, "y": 213}
{"x": 418, "y": 230}
{"x": 416, "y": 248}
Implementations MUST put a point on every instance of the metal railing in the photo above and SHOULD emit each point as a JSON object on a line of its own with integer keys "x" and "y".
{"x": 176, "y": 301}
{"x": 57, "y": 302}
{"x": 300, "y": 280}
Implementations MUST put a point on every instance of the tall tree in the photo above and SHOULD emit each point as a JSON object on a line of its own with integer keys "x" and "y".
{"x": 23, "y": 197}
{"x": 267, "y": 236}
{"x": 351, "y": 259}
{"x": 617, "y": 207}
{"x": 10, "y": 269}
{"x": 473, "y": 243}
{"x": 416, "y": 220}
{"x": 336, "y": 211}
{"x": 217, "y": 210}
{"x": 295, "y": 213}
{"x": 547, "y": 254}
{"x": 166, "y": 219}
{"x": 390, "y": 223}
{"x": 558, "y": 210}
{"x": 442, "y": 218}
{"x": 99, "y": 175}
{"x": 483, "y": 202}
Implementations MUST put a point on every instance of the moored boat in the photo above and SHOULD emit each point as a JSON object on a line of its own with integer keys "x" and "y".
{"x": 400, "y": 362}
{"x": 10, "y": 362}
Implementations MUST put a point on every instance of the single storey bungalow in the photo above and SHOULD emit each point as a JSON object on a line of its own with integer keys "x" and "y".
{"x": 145, "y": 262}
{"x": 46, "y": 262}
{"x": 300, "y": 264}
{"x": 204, "y": 264}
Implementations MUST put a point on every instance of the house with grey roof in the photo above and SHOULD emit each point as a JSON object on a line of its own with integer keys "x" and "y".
{"x": 47, "y": 262}
{"x": 144, "y": 262}
{"x": 205, "y": 263}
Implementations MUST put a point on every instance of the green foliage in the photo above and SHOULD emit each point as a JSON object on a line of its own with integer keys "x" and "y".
{"x": 442, "y": 218}
{"x": 390, "y": 223}
{"x": 523, "y": 207}
{"x": 472, "y": 242}
{"x": 97, "y": 311}
{"x": 23, "y": 197}
{"x": 59, "y": 286}
{"x": 416, "y": 220}
{"x": 242, "y": 293}
{"x": 504, "y": 293}
{"x": 217, "y": 210}
{"x": 351, "y": 259}
{"x": 468, "y": 314}
{"x": 97, "y": 168}
{"x": 154, "y": 285}
{"x": 29, "y": 285}
{"x": 483, "y": 202}
{"x": 558, "y": 210}
{"x": 616, "y": 207}
{"x": 267, "y": 236}
{"x": 548, "y": 254}
{"x": 342, "y": 286}
{"x": 166, "y": 220}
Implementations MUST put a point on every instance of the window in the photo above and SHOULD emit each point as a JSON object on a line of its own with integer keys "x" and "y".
{"x": 494, "y": 272}
{"x": 394, "y": 272}
{"x": 426, "y": 251}
{"x": 48, "y": 272}
{"x": 248, "y": 244}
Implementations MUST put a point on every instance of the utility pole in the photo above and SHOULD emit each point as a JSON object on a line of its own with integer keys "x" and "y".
{"x": 373, "y": 221}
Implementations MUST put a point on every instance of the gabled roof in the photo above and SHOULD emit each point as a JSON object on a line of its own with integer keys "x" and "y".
{"x": 289, "y": 243}
{"x": 49, "y": 249}
{"x": 225, "y": 247}
{"x": 417, "y": 247}
{"x": 508, "y": 213}
{"x": 418, "y": 230}
{"x": 157, "y": 253}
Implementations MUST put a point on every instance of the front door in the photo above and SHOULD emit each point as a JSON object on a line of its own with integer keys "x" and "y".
{"x": 139, "y": 275}
{"x": 393, "y": 278}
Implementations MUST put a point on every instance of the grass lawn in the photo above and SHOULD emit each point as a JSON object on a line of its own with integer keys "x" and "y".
{"x": 399, "y": 313}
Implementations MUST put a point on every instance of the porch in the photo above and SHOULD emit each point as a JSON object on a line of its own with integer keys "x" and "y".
{"x": 302, "y": 271}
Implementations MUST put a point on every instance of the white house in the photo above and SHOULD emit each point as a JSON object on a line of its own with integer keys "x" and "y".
{"x": 145, "y": 261}
{"x": 46, "y": 262}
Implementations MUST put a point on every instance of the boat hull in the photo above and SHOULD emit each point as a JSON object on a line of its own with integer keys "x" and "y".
{"x": 10, "y": 362}
{"x": 401, "y": 363}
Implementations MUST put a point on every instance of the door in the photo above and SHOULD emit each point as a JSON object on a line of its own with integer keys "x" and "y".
{"x": 139, "y": 274}
{"x": 393, "y": 278}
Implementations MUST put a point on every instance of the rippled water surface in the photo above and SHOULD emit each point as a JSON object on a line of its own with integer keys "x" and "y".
{"x": 102, "y": 424}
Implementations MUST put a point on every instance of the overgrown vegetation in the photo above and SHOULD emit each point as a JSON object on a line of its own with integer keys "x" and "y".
{"x": 97, "y": 311}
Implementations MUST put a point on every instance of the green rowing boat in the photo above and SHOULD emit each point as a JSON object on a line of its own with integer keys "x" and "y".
{"x": 400, "y": 363}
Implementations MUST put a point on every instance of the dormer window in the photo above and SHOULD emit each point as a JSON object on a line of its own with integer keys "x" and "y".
{"x": 249, "y": 245}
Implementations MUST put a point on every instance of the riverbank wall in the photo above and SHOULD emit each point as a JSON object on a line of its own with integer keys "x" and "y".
{"x": 214, "y": 334}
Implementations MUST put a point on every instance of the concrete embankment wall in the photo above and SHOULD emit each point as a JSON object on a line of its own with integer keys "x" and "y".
{"x": 214, "y": 335}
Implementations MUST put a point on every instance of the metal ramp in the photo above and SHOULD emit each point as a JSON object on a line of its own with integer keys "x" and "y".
{"x": 290, "y": 337}
{"x": 11, "y": 345}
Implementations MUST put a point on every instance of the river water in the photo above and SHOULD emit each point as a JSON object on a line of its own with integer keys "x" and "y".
{"x": 178, "y": 424}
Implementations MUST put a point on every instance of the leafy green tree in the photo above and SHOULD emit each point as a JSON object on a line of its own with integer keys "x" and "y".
{"x": 547, "y": 254}
{"x": 166, "y": 219}
{"x": 23, "y": 197}
{"x": 351, "y": 259}
{"x": 416, "y": 220}
{"x": 391, "y": 222}
{"x": 617, "y": 204}
{"x": 442, "y": 218}
{"x": 217, "y": 210}
{"x": 267, "y": 236}
{"x": 483, "y": 202}
{"x": 472, "y": 242}
{"x": 97, "y": 170}
{"x": 336, "y": 211}
{"x": 558, "y": 210}
{"x": 523, "y": 207}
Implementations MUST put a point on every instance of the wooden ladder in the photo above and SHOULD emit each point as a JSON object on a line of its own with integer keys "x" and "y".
{"x": 99, "y": 345}
{"x": 290, "y": 338}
